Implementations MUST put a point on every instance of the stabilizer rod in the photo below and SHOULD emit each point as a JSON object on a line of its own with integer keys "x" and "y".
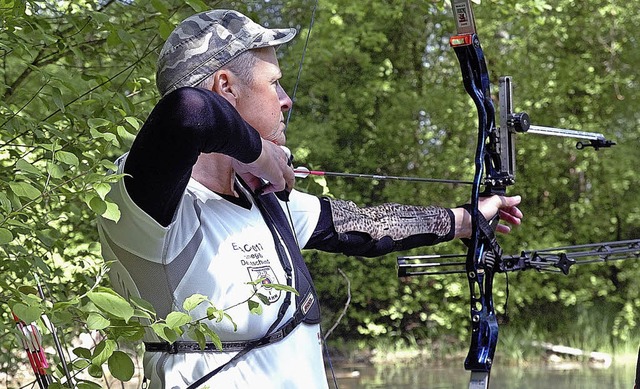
{"x": 558, "y": 259}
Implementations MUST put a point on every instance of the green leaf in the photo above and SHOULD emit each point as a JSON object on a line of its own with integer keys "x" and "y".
{"x": 228, "y": 317}
{"x": 165, "y": 28}
{"x": 100, "y": 17}
{"x": 121, "y": 366}
{"x": 112, "y": 303}
{"x": 197, "y": 5}
{"x": 143, "y": 304}
{"x": 53, "y": 147}
{"x": 125, "y": 37}
{"x": 98, "y": 205}
{"x": 24, "y": 189}
{"x": 25, "y": 166}
{"x": 94, "y": 371}
{"x": 131, "y": 331}
{"x": 215, "y": 339}
{"x": 102, "y": 188}
{"x": 56, "y": 95}
{"x": 142, "y": 313}
{"x": 27, "y": 314}
{"x": 215, "y": 313}
{"x": 61, "y": 317}
{"x": 165, "y": 332}
{"x": 47, "y": 236}
{"x": 5, "y": 203}
{"x": 28, "y": 290}
{"x": 109, "y": 137}
{"x": 255, "y": 307}
{"x": 159, "y": 6}
{"x": 109, "y": 165}
{"x": 65, "y": 305}
{"x": 197, "y": 334}
{"x": 80, "y": 364}
{"x": 191, "y": 302}
{"x": 67, "y": 157}
{"x": 103, "y": 351}
{"x": 96, "y": 321}
{"x": 5, "y": 236}
{"x": 55, "y": 170}
{"x": 88, "y": 384}
{"x": 113, "y": 39}
{"x": 285, "y": 288}
{"x": 133, "y": 122}
{"x": 264, "y": 299}
{"x": 256, "y": 281}
{"x": 82, "y": 352}
{"x": 112, "y": 212}
{"x": 124, "y": 134}
{"x": 97, "y": 122}
{"x": 178, "y": 319}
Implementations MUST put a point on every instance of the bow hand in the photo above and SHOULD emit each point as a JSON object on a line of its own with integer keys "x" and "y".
{"x": 505, "y": 207}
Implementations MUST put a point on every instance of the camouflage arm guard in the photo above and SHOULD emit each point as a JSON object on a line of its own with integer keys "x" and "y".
{"x": 393, "y": 220}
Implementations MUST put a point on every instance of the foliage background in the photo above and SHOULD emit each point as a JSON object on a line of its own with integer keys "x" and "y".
{"x": 380, "y": 93}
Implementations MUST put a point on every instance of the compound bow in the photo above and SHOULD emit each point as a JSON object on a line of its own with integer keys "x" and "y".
{"x": 495, "y": 170}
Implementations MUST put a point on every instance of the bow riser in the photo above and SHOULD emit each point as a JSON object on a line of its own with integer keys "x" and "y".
{"x": 481, "y": 252}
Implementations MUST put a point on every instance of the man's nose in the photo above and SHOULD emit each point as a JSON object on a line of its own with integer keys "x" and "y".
{"x": 285, "y": 100}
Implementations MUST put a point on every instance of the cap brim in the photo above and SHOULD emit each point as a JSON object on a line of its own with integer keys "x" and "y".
{"x": 281, "y": 36}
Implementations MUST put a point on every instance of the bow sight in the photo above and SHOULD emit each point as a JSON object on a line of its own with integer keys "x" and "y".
{"x": 501, "y": 144}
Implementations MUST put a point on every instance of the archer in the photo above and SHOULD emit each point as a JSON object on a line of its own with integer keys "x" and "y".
{"x": 207, "y": 175}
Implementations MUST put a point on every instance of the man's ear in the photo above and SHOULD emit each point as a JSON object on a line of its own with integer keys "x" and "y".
{"x": 224, "y": 85}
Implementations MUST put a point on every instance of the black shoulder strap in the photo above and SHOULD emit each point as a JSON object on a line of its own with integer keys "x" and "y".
{"x": 307, "y": 301}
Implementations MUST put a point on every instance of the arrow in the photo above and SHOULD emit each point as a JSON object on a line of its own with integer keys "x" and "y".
{"x": 303, "y": 172}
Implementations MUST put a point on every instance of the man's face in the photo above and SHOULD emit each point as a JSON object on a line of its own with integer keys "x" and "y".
{"x": 262, "y": 102}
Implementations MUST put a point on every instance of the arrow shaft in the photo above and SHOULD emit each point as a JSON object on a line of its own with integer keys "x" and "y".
{"x": 303, "y": 173}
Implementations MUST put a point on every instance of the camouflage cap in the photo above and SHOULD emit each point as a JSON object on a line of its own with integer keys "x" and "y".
{"x": 205, "y": 42}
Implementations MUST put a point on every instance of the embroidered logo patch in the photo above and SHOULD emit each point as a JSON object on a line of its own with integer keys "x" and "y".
{"x": 308, "y": 303}
{"x": 268, "y": 277}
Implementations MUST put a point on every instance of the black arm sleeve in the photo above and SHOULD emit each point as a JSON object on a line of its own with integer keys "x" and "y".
{"x": 182, "y": 125}
{"x": 369, "y": 232}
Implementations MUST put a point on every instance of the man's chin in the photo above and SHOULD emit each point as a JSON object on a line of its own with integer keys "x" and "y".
{"x": 280, "y": 140}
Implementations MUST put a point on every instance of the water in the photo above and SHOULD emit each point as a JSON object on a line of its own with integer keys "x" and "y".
{"x": 502, "y": 377}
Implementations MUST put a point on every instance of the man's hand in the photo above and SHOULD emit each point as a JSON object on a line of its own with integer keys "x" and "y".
{"x": 271, "y": 166}
{"x": 505, "y": 206}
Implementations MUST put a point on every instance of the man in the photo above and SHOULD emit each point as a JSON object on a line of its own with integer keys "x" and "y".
{"x": 199, "y": 214}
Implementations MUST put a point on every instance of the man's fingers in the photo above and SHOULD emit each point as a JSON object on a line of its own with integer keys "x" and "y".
{"x": 510, "y": 217}
{"x": 508, "y": 201}
{"x": 272, "y": 167}
{"x": 503, "y": 229}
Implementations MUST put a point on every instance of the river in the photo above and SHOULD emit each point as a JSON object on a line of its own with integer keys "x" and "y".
{"x": 502, "y": 377}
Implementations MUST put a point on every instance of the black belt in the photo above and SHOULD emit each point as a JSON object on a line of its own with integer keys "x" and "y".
{"x": 194, "y": 347}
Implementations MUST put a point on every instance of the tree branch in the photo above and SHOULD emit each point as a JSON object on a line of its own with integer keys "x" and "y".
{"x": 344, "y": 310}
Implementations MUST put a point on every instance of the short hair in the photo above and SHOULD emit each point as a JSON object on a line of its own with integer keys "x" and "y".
{"x": 242, "y": 66}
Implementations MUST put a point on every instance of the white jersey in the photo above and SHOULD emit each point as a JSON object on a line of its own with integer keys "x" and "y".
{"x": 214, "y": 247}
